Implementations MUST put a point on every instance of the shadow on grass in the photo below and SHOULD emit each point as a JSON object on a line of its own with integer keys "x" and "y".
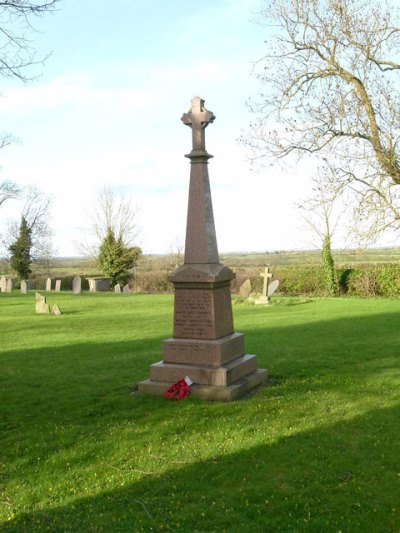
{"x": 52, "y": 380}
{"x": 344, "y": 477}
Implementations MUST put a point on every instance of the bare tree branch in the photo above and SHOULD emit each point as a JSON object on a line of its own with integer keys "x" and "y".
{"x": 109, "y": 212}
{"x": 332, "y": 81}
{"x": 8, "y": 191}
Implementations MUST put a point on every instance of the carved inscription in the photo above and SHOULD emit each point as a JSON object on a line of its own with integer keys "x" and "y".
{"x": 194, "y": 314}
{"x": 181, "y": 348}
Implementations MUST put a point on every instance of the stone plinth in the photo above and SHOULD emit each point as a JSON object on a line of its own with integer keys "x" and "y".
{"x": 204, "y": 345}
{"x": 235, "y": 391}
{"x": 204, "y": 374}
{"x": 212, "y": 353}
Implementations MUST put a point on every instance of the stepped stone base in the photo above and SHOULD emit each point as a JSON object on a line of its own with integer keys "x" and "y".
{"x": 205, "y": 375}
{"x": 218, "y": 368}
{"x": 210, "y": 352}
{"x": 227, "y": 393}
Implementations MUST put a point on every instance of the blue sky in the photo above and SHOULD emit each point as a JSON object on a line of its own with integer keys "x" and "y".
{"x": 106, "y": 112}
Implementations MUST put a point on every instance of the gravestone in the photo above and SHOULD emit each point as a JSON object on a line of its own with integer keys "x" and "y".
{"x": 9, "y": 285}
{"x": 3, "y": 284}
{"x": 77, "y": 285}
{"x": 55, "y": 310}
{"x": 245, "y": 289}
{"x": 57, "y": 288}
{"x": 267, "y": 276}
{"x": 41, "y": 306}
{"x": 204, "y": 345}
{"x": 48, "y": 284}
{"x": 99, "y": 283}
{"x": 272, "y": 287}
{"x": 24, "y": 287}
{"x": 269, "y": 287}
{"x": 117, "y": 288}
{"x": 126, "y": 289}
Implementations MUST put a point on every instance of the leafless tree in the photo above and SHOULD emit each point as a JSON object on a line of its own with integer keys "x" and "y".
{"x": 8, "y": 191}
{"x": 321, "y": 211}
{"x": 331, "y": 74}
{"x": 176, "y": 252}
{"x": 322, "y": 214}
{"x": 109, "y": 212}
{"x": 17, "y": 56}
{"x": 17, "y": 53}
{"x": 35, "y": 210}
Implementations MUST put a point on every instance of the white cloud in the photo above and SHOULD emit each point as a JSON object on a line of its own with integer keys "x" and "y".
{"x": 74, "y": 91}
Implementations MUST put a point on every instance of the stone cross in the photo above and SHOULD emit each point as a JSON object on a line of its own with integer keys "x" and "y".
{"x": 266, "y": 275}
{"x": 198, "y": 119}
{"x": 201, "y": 240}
{"x": 204, "y": 346}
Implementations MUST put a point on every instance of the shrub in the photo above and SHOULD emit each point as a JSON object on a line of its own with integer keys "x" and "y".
{"x": 389, "y": 280}
{"x": 308, "y": 281}
{"x": 364, "y": 281}
{"x": 372, "y": 280}
{"x": 151, "y": 282}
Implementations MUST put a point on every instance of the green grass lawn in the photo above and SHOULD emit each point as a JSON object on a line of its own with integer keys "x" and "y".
{"x": 318, "y": 450}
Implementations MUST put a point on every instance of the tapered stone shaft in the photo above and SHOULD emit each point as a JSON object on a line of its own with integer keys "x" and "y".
{"x": 204, "y": 346}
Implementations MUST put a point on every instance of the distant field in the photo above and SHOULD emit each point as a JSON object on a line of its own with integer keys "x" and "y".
{"x": 71, "y": 266}
{"x": 311, "y": 257}
{"x": 282, "y": 258}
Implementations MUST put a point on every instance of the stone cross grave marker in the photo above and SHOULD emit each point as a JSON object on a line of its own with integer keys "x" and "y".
{"x": 267, "y": 276}
{"x": 24, "y": 287}
{"x": 58, "y": 285}
{"x": 77, "y": 285}
{"x": 269, "y": 287}
{"x": 204, "y": 345}
{"x": 48, "y": 284}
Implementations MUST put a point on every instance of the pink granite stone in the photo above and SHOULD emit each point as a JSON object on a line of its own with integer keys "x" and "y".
{"x": 204, "y": 345}
{"x": 205, "y": 352}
